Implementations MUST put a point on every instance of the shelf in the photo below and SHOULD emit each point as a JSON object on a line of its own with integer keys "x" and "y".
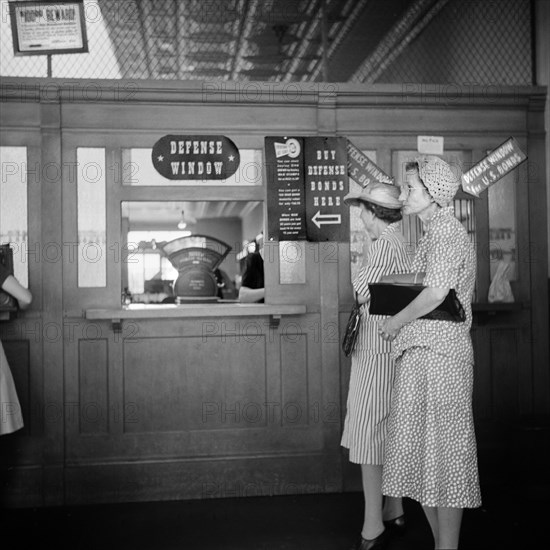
{"x": 186, "y": 311}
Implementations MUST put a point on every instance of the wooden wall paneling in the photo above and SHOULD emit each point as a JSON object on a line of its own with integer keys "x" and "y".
{"x": 504, "y": 374}
{"x": 483, "y": 256}
{"x": 217, "y": 382}
{"x": 93, "y": 387}
{"x": 71, "y": 386}
{"x": 537, "y": 144}
{"x": 52, "y": 302}
{"x": 405, "y": 120}
{"x": 345, "y": 290}
{"x": 193, "y": 479}
{"x": 21, "y": 115}
{"x": 192, "y": 119}
{"x": 525, "y": 363}
{"x": 156, "y": 386}
{"x": 69, "y": 211}
{"x": 295, "y": 406}
{"x": 22, "y": 451}
{"x": 383, "y": 159}
{"x": 76, "y": 298}
{"x": 24, "y": 333}
{"x": 160, "y": 460}
{"x": 307, "y": 293}
{"x": 330, "y": 354}
{"x": 116, "y": 250}
{"x": 522, "y": 288}
{"x": 118, "y": 410}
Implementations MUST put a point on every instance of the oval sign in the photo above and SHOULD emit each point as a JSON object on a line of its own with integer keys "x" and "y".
{"x": 195, "y": 157}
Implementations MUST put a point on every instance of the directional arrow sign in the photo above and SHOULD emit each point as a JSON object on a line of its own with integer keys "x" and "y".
{"x": 326, "y": 185}
{"x": 493, "y": 167}
{"x": 326, "y": 219}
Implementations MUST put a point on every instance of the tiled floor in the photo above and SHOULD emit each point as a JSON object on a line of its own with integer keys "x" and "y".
{"x": 320, "y": 522}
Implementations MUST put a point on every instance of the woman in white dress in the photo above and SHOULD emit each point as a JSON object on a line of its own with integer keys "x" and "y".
{"x": 11, "y": 418}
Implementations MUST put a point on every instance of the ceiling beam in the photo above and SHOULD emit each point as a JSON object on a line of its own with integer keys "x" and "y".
{"x": 144, "y": 22}
{"x": 307, "y": 31}
{"x": 403, "y": 32}
{"x": 353, "y": 8}
{"x": 242, "y": 31}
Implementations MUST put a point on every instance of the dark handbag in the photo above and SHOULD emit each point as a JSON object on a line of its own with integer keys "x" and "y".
{"x": 391, "y": 298}
{"x": 352, "y": 329}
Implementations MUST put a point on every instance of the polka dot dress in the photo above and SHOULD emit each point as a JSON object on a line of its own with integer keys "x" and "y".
{"x": 431, "y": 452}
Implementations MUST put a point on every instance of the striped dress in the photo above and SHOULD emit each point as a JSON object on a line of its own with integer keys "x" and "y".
{"x": 372, "y": 368}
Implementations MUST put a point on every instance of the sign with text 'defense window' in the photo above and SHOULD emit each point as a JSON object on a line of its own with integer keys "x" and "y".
{"x": 195, "y": 157}
{"x": 362, "y": 170}
{"x": 493, "y": 167}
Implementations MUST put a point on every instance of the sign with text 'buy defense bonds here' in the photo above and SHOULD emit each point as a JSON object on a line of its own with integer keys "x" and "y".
{"x": 307, "y": 179}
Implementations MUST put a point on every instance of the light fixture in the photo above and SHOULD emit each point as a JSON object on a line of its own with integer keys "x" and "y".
{"x": 181, "y": 223}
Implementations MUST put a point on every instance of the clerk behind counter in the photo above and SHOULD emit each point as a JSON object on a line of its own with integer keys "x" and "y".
{"x": 252, "y": 285}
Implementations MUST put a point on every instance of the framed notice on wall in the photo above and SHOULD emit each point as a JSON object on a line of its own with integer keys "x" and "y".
{"x": 49, "y": 27}
{"x": 286, "y": 209}
{"x": 307, "y": 179}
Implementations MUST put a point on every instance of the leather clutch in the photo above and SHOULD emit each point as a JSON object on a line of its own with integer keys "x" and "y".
{"x": 391, "y": 298}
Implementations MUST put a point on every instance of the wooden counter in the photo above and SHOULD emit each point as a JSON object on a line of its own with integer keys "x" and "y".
{"x": 197, "y": 310}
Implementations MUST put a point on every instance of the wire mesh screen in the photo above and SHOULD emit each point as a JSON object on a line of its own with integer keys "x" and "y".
{"x": 470, "y": 41}
{"x": 475, "y": 41}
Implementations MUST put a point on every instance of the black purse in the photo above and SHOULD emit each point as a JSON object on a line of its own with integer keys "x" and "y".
{"x": 352, "y": 329}
{"x": 391, "y": 298}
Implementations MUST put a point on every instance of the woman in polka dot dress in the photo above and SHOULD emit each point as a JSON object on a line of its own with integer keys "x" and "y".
{"x": 431, "y": 452}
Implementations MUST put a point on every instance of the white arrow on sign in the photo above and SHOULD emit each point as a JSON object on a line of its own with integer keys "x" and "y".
{"x": 326, "y": 219}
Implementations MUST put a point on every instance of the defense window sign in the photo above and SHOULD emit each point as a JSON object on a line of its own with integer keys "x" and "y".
{"x": 42, "y": 28}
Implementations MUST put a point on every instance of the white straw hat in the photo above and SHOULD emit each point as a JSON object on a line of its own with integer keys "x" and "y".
{"x": 382, "y": 194}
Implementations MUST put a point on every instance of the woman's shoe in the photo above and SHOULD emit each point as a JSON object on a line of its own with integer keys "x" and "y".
{"x": 378, "y": 543}
{"x": 396, "y": 525}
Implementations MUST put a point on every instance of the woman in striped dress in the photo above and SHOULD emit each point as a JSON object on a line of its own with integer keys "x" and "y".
{"x": 372, "y": 368}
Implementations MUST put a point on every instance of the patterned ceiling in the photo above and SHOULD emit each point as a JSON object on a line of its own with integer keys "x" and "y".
{"x": 277, "y": 40}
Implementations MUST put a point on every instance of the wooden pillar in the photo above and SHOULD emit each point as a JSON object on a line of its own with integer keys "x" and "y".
{"x": 542, "y": 76}
{"x": 51, "y": 249}
{"x": 542, "y": 72}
